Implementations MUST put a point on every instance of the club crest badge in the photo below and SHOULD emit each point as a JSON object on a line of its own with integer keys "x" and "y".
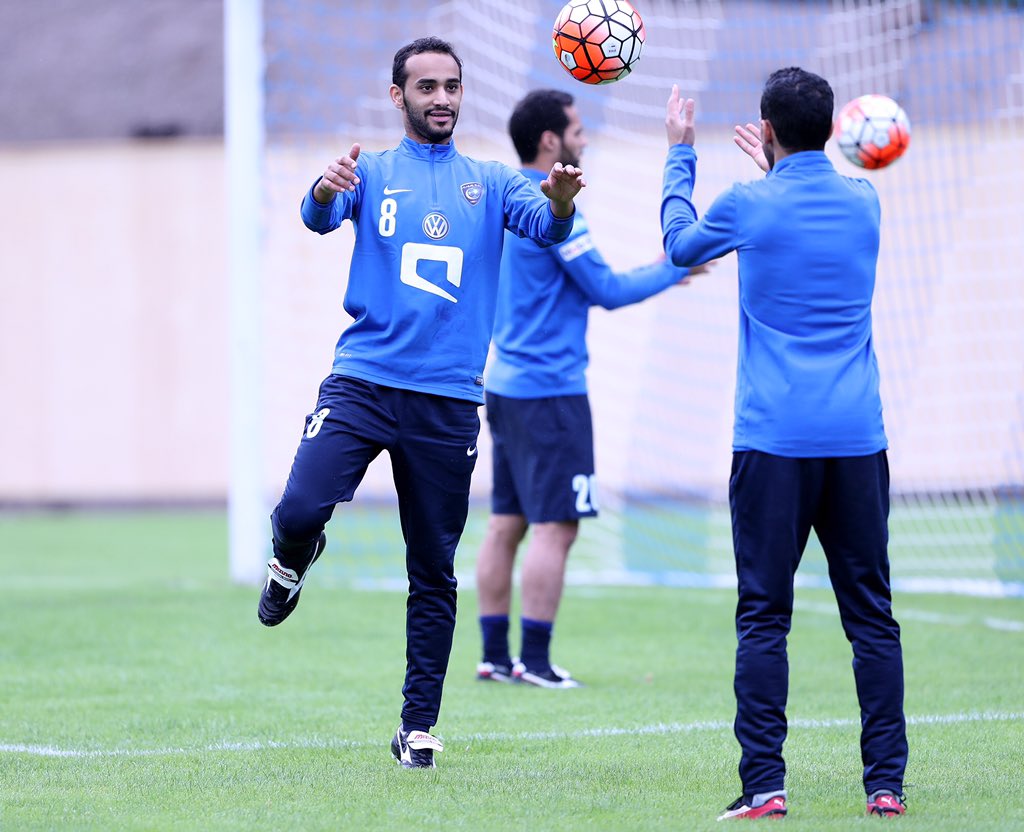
{"x": 472, "y": 191}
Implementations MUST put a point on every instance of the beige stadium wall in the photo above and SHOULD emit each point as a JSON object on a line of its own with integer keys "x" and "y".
{"x": 114, "y": 335}
{"x": 112, "y": 322}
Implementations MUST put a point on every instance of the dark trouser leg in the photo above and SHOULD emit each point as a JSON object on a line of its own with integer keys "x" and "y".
{"x": 341, "y": 437}
{"x": 772, "y": 500}
{"x": 853, "y": 528}
{"x": 432, "y": 468}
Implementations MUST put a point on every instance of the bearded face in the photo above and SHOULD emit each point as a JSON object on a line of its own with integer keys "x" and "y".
{"x": 434, "y": 124}
{"x": 431, "y": 97}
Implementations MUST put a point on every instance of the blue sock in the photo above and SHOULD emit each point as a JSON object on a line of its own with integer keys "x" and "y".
{"x": 536, "y": 644}
{"x": 494, "y": 629}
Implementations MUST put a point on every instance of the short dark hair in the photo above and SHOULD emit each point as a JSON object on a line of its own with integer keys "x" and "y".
{"x": 538, "y": 111}
{"x": 799, "y": 106}
{"x": 399, "y": 74}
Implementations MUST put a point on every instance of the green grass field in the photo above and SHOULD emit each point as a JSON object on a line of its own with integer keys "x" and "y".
{"x": 139, "y": 692}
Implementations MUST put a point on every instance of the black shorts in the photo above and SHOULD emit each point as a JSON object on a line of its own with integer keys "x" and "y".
{"x": 543, "y": 457}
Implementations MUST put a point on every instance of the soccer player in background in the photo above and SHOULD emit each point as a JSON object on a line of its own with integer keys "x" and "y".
{"x": 407, "y": 373}
{"x": 537, "y": 406}
{"x": 809, "y": 446}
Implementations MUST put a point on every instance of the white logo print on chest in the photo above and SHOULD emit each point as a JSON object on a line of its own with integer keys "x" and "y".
{"x": 435, "y": 225}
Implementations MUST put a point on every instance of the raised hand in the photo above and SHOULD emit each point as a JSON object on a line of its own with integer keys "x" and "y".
{"x": 561, "y": 187}
{"x": 748, "y": 139}
{"x": 340, "y": 176}
{"x": 679, "y": 119}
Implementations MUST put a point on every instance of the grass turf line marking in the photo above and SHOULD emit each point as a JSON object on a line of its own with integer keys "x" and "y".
{"x": 455, "y": 739}
{"x": 1006, "y": 625}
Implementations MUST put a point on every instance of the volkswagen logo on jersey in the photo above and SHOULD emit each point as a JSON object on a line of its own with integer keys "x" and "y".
{"x": 435, "y": 225}
{"x": 472, "y": 191}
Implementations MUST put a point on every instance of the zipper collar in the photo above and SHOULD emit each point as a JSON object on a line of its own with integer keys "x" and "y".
{"x": 436, "y": 152}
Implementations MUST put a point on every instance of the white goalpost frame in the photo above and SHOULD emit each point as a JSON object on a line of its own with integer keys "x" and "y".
{"x": 244, "y": 139}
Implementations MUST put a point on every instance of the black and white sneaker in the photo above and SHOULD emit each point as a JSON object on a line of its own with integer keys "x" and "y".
{"x": 415, "y": 749}
{"x": 492, "y": 672}
{"x": 281, "y": 591}
{"x": 551, "y": 677}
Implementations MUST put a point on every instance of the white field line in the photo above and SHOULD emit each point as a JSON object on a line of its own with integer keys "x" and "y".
{"x": 658, "y": 729}
{"x": 1007, "y": 625}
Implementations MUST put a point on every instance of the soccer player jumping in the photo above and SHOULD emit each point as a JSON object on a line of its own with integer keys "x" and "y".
{"x": 809, "y": 447}
{"x": 407, "y": 373}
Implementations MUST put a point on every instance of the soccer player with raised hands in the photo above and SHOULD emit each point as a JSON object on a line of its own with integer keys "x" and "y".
{"x": 407, "y": 376}
{"x": 809, "y": 446}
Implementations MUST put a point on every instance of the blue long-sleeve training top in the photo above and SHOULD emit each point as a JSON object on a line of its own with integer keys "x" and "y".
{"x": 543, "y": 303}
{"x": 423, "y": 281}
{"x": 807, "y": 241}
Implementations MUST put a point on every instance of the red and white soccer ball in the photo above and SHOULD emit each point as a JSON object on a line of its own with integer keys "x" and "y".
{"x": 598, "y": 41}
{"x": 873, "y": 131}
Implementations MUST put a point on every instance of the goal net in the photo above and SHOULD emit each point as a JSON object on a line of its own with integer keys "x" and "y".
{"x": 948, "y": 306}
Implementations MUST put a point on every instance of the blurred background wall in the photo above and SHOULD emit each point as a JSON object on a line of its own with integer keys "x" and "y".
{"x": 113, "y": 351}
{"x": 110, "y": 69}
{"x": 114, "y": 372}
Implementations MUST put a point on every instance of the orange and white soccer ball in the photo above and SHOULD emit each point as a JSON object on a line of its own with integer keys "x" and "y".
{"x": 598, "y": 41}
{"x": 873, "y": 131}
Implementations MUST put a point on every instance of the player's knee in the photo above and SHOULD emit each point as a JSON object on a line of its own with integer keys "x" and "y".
{"x": 433, "y": 581}
{"x": 559, "y": 535}
{"x": 507, "y": 530}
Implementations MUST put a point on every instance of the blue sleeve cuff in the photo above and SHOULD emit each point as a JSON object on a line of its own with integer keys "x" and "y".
{"x": 682, "y": 151}
{"x": 315, "y": 215}
{"x": 569, "y": 219}
{"x": 313, "y": 200}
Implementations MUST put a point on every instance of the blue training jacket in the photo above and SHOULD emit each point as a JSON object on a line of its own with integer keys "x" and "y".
{"x": 807, "y": 241}
{"x": 543, "y": 303}
{"x": 423, "y": 280}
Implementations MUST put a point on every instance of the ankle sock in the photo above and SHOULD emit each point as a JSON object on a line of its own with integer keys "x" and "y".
{"x": 494, "y": 629}
{"x": 536, "y": 643}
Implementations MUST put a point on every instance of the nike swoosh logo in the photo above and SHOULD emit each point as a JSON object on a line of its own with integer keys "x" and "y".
{"x": 471, "y": 451}
{"x": 388, "y": 191}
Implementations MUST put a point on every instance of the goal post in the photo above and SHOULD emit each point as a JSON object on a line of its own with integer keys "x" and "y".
{"x": 243, "y": 137}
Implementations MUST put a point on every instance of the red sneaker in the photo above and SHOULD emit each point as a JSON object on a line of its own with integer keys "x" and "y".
{"x": 774, "y": 808}
{"x": 886, "y": 805}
